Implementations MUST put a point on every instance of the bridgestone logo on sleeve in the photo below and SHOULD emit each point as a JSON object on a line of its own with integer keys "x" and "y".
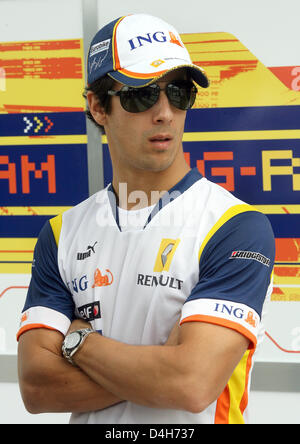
{"x": 251, "y": 255}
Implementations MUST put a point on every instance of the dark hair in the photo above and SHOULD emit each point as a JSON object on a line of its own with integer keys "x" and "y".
{"x": 100, "y": 88}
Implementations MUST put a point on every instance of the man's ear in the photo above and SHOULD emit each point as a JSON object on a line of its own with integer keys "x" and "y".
{"x": 95, "y": 108}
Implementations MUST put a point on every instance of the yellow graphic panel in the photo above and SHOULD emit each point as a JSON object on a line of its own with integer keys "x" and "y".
{"x": 237, "y": 77}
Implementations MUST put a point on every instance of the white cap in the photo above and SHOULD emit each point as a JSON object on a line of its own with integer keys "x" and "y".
{"x": 138, "y": 49}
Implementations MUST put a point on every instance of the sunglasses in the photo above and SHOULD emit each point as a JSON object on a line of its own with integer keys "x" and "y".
{"x": 181, "y": 94}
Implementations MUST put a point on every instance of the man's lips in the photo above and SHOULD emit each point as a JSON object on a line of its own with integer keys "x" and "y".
{"x": 160, "y": 139}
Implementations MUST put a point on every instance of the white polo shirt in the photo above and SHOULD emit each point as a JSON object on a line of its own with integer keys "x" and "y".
{"x": 201, "y": 254}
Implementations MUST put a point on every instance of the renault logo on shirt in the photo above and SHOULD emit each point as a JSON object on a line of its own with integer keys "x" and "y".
{"x": 163, "y": 262}
{"x": 165, "y": 254}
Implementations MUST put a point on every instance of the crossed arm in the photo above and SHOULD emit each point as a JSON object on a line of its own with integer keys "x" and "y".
{"x": 188, "y": 373}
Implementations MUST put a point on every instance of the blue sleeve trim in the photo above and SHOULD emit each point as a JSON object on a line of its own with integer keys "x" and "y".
{"x": 46, "y": 287}
{"x": 237, "y": 262}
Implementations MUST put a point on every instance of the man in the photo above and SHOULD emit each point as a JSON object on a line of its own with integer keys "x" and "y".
{"x": 100, "y": 335}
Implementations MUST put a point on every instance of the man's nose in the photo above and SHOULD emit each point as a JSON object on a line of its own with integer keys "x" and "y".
{"x": 162, "y": 110}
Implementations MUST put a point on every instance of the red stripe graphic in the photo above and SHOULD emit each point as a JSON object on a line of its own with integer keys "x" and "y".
{"x": 16, "y": 251}
{"x": 48, "y": 68}
{"x": 11, "y": 288}
{"x": 281, "y": 348}
{"x": 40, "y": 45}
{"x": 210, "y": 41}
{"x": 250, "y": 63}
{"x": 38, "y": 108}
{"x": 231, "y": 68}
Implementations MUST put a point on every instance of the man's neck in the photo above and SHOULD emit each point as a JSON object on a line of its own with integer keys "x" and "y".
{"x": 142, "y": 189}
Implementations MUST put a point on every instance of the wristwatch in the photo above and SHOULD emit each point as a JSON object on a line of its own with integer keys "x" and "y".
{"x": 73, "y": 342}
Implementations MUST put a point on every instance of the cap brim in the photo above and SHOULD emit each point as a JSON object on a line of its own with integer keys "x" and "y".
{"x": 138, "y": 80}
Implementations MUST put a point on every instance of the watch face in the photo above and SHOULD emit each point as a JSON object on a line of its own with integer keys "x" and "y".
{"x": 72, "y": 340}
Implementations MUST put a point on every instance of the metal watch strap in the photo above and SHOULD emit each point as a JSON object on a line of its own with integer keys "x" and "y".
{"x": 84, "y": 332}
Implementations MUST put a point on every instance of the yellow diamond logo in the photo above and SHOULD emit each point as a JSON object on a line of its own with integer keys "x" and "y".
{"x": 165, "y": 254}
{"x": 157, "y": 63}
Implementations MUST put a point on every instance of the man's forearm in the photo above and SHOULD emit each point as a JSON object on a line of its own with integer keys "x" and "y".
{"x": 49, "y": 383}
{"x": 70, "y": 391}
{"x": 146, "y": 375}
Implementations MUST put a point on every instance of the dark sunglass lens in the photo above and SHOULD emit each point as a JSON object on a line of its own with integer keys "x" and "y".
{"x": 137, "y": 100}
{"x": 182, "y": 95}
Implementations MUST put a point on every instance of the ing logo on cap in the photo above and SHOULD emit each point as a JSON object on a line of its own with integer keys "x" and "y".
{"x": 158, "y": 36}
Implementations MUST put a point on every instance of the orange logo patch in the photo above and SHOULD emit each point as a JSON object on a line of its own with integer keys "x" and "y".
{"x": 251, "y": 320}
{"x": 175, "y": 40}
{"x": 24, "y": 317}
{"x": 102, "y": 281}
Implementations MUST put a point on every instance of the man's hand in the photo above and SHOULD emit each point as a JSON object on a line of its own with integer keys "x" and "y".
{"x": 78, "y": 324}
